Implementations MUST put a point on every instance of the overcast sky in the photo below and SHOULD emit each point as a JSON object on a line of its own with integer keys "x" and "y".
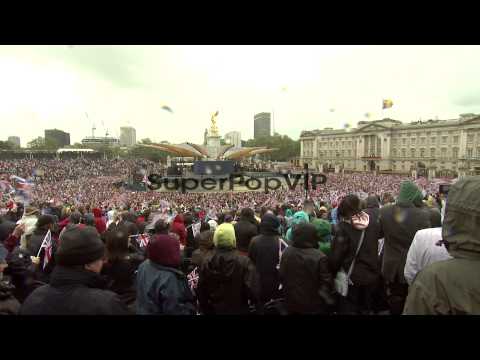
{"x": 54, "y": 86}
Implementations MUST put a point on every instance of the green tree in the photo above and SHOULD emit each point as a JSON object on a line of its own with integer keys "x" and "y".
{"x": 6, "y": 145}
{"x": 287, "y": 148}
{"x": 37, "y": 143}
{"x": 146, "y": 141}
{"x": 148, "y": 153}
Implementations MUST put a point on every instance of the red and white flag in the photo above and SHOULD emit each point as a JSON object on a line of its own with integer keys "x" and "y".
{"x": 143, "y": 240}
{"x": 47, "y": 245}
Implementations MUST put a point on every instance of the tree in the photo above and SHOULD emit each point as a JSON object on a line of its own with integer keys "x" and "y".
{"x": 148, "y": 153}
{"x": 37, "y": 143}
{"x": 287, "y": 148}
{"x": 6, "y": 145}
{"x": 146, "y": 141}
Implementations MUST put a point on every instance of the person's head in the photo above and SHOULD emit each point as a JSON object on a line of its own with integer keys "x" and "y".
{"x": 305, "y": 236}
{"x": 300, "y": 217}
{"x": 161, "y": 227}
{"x": 75, "y": 218}
{"x": 461, "y": 223}
{"x": 410, "y": 194}
{"x": 205, "y": 242}
{"x": 372, "y": 202}
{"x": 164, "y": 250}
{"x": 213, "y": 224}
{"x": 247, "y": 214}
{"x": 81, "y": 248}
{"x": 89, "y": 220}
{"x": 323, "y": 227}
{"x": 204, "y": 226}
{"x": 308, "y": 207}
{"x": 224, "y": 236}
{"x": 350, "y": 206}
{"x": 117, "y": 244}
{"x": 45, "y": 222}
{"x": 269, "y": 225}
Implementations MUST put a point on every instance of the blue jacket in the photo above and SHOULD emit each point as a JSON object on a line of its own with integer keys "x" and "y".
{"x": 163, "y": 291}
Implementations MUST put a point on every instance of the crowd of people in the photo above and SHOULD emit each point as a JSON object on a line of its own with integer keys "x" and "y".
{"x": 360, "y": 244}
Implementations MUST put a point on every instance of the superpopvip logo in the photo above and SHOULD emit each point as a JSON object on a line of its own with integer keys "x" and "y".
{"x": 233, "y": 182}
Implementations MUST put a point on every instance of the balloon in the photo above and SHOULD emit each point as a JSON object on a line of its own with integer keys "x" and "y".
{"x": 332, "y": 110}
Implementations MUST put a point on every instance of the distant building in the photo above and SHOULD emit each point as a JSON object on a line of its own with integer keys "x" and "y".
{"x": 262, "y": 123}
{"x": 100, "y": 141}
{"x": 127, "y": 136}
{"x": 431, "y": 148}
{"x": 233, "y": 138}
{"x": 15, "y": 140}
{"x": 62, "y": 138}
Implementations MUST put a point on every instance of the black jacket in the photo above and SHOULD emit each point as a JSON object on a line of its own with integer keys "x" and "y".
{"x": 264, "y": 253}
{"x": 344, "y": 246}
{"x": 399, "y": 223}
{"x": 226, "y": 282}
{"x": 245, "y": 230}
{"x": 73, "y": 291}
{"x": 9, "y": 305}
{"x": 306, "y": 278}
{"x": 121, "y": 277}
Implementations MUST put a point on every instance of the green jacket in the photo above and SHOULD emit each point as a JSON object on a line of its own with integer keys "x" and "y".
{"x": 452, "y": 287}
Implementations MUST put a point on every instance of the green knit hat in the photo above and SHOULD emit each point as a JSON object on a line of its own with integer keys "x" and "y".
{"x": 409, "y": 193}
{"x": 224, "y": 236}
{"x": 323, "y": 227}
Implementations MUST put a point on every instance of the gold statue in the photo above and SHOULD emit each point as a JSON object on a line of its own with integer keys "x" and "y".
{"x": 213, "y": 127}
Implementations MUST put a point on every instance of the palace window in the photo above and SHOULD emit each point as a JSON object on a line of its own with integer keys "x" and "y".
{"x": 422, "y": 153}
{"x": 470, "y": 138}
{"x": 404, "y": 153}
{"x": 412, "y": 153}
{"x": 433, "y": 140}
{"x": 444, "y": 152}
{"x": 469, "y": 153}
{"x": 394, "y": 152}
{"x": 404, "y": 141}
{"x": 413, "y": 140}
{"x": 444, "y": 139}
{"x": 455, "y": 140}
{"x": 432, "y": 152}
{"x": 455, "y": 153}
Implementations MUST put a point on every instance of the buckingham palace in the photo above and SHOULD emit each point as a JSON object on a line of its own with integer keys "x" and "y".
{"x": 430, "y": 148}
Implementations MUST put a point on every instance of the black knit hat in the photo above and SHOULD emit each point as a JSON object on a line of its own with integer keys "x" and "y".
{"x": 79, "y": 246}
{"x": 45, "y": 220}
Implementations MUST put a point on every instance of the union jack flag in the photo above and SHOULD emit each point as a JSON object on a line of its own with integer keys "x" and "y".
{"x": 47, "y": 245}
{"x": 192, "y": 278}
{"x": 143, "y": 240}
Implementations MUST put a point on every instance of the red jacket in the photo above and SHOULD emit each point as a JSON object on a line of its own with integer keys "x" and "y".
{"x": 99, "y": 221}
{"x": 178, "y": 227}
{"x": 11, "y": 242}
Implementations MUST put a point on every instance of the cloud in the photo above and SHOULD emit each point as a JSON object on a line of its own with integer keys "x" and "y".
{"x": 118, "y": 65}
{"x": 468, "y": 100}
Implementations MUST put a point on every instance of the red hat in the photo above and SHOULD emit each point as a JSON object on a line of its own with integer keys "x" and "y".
{"x": 164, "y": 250}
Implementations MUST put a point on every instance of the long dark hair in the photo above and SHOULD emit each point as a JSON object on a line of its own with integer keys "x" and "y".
{"x": 117, "y": 244}
{"x": 349, "y": 206}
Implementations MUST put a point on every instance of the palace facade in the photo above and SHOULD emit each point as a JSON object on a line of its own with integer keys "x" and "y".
{"x": 431, "y": 148}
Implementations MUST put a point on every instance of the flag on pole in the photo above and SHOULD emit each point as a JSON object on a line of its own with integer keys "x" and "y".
{"x": 47, "y": 256}
{"x": 145, "y": 180}
{"x": 143, "y": 240}
{"x": 387, "y": 103}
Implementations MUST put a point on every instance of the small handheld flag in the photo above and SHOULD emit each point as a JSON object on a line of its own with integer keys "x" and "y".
{"x": 387, "y": 103}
